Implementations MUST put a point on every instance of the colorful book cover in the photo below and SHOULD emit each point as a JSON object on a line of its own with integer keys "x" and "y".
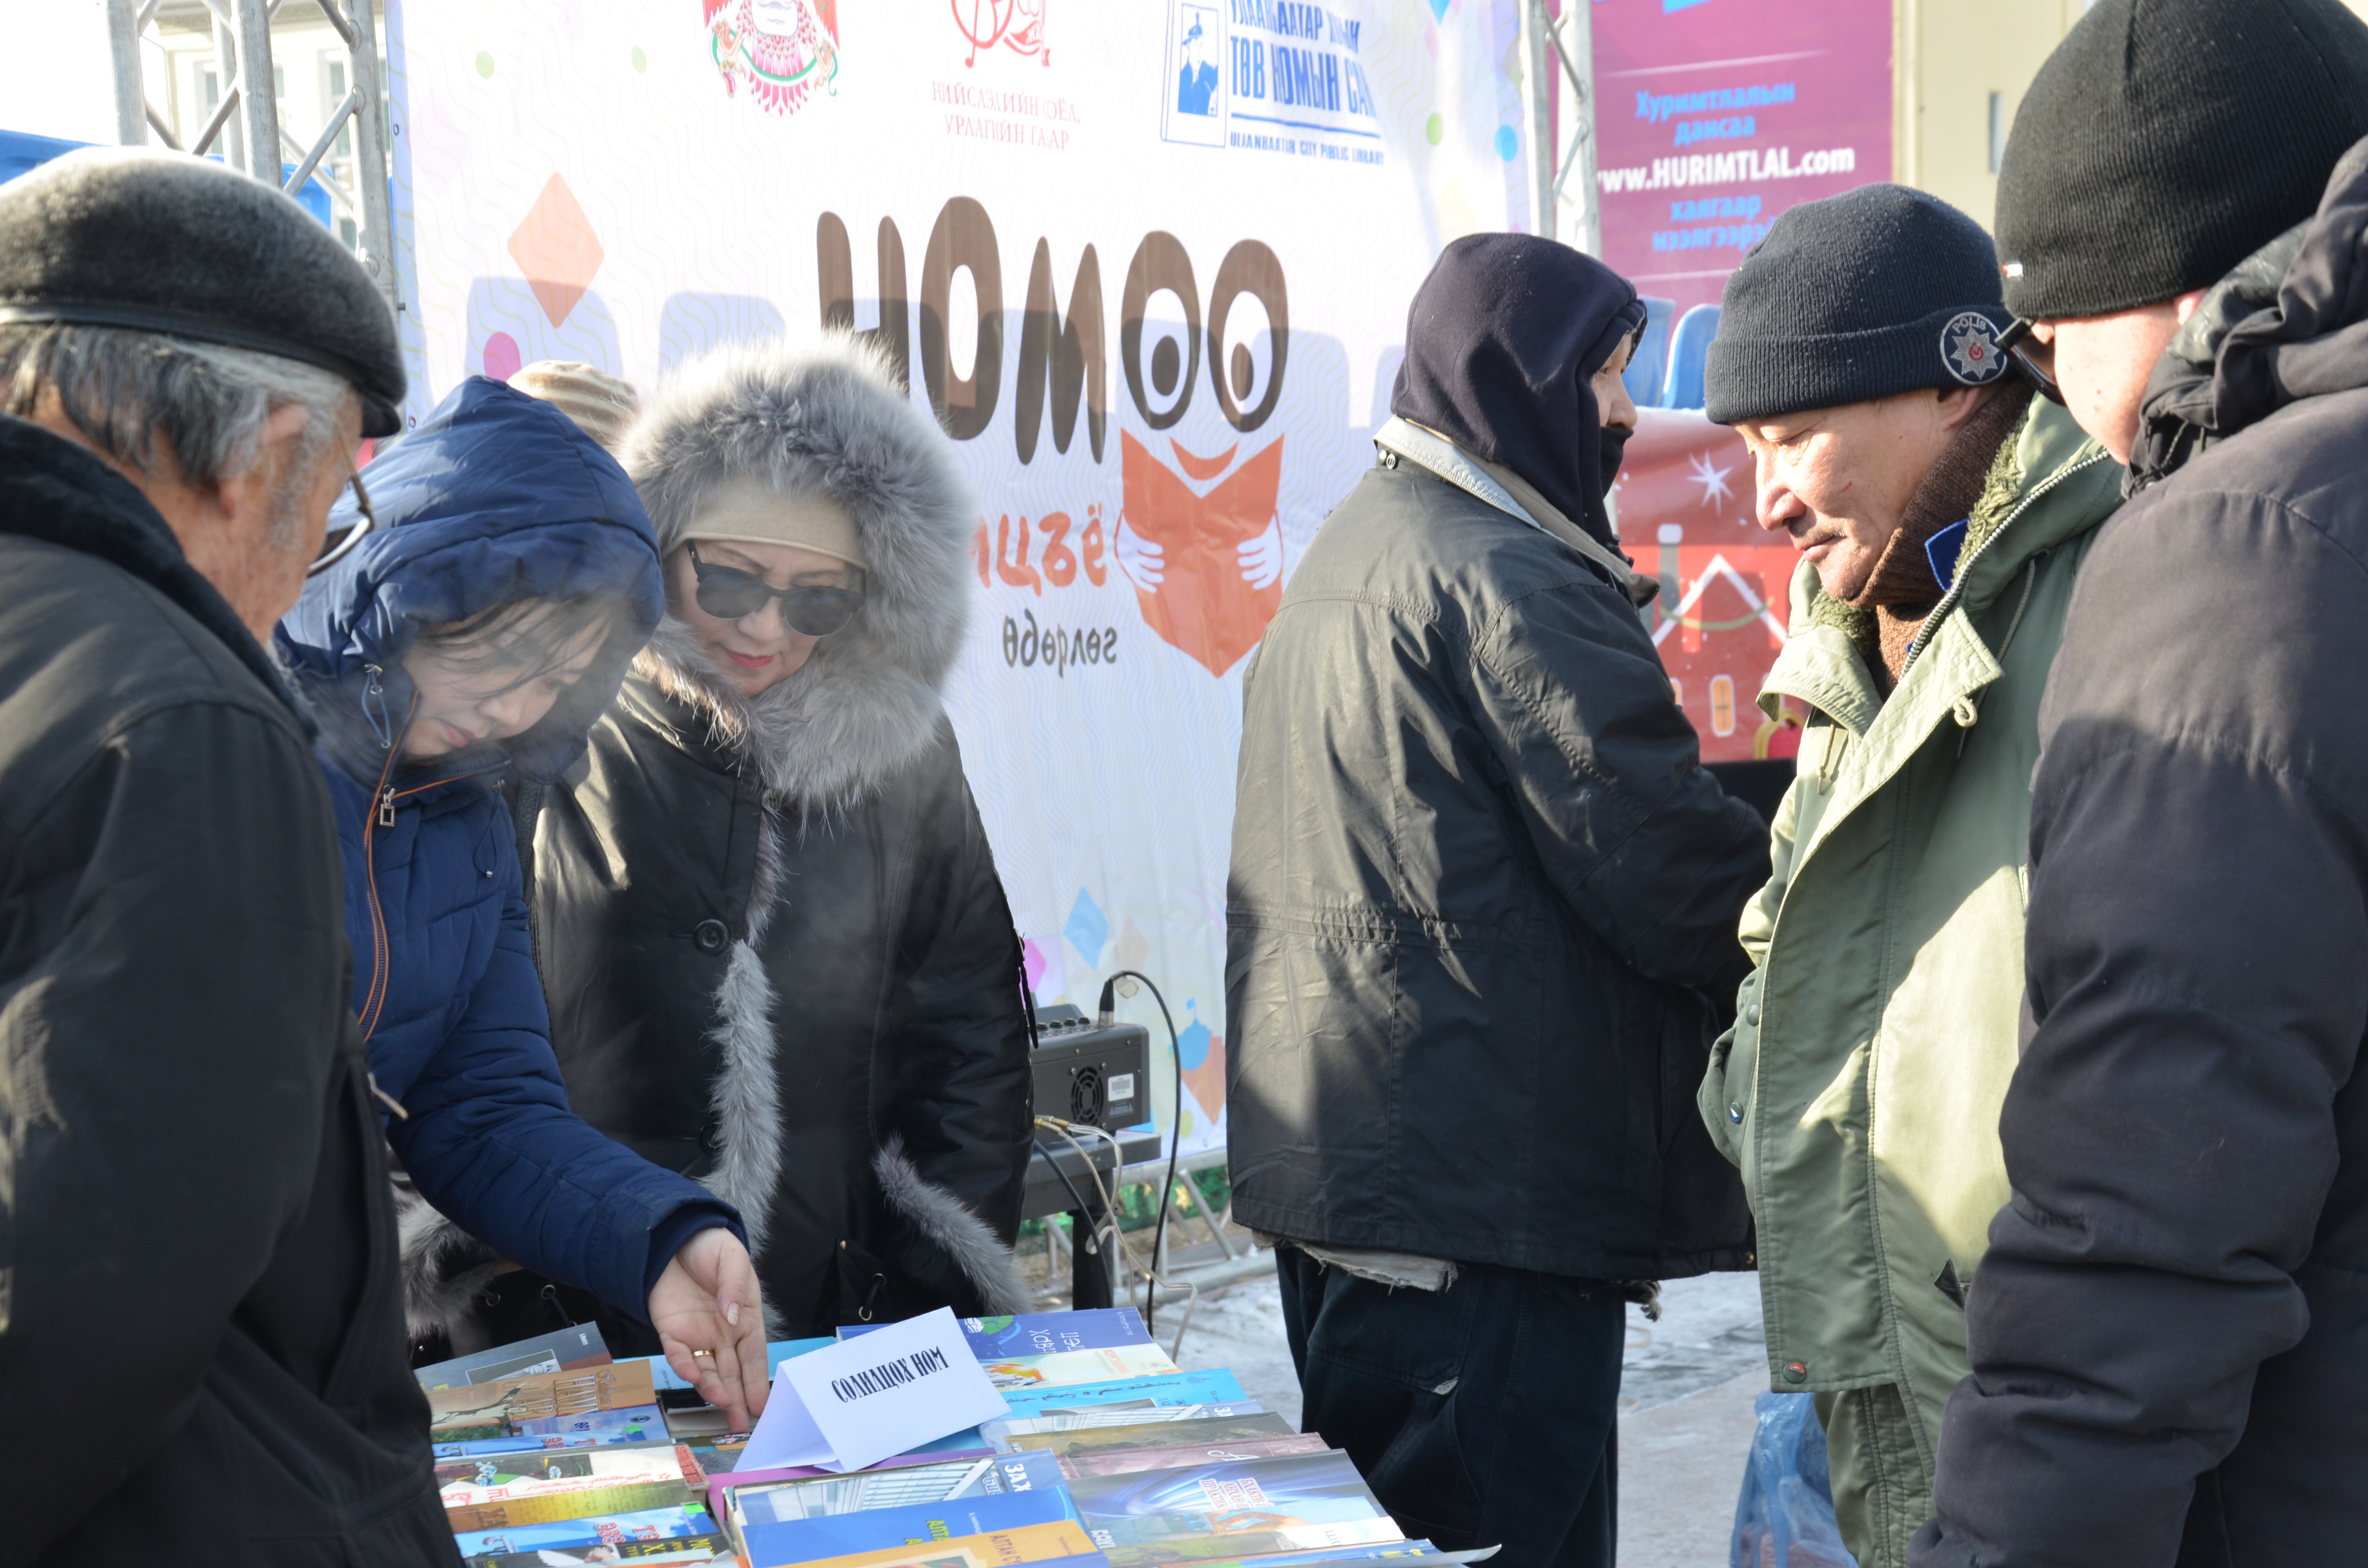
{"x": 647, "y": 1554}
{"x": 599, "y": 1529}
{"x": 1156, "y": 1433}
{"x": 777, "y": 1502}
{"x": 922, "y": 1524}
{"x": 1377, "y": 1551}
{"x": 1078, "y": 1367}
{"x": 548, "y": 1402}
{"x": 564, "y": 1350}
{"x": 1129, "y": 1462}
{"x": 481, "y": 1478}
{"x": 998, "y": 1433}
{"x": 1063, "y": 1542}
{"x": 1040, "y": 1334}
{"x": 643, "y": 1427}
{"x": 631, "y": 1498}
{"x": 663, "y": 1375}
{"x": 1215, "y": 1387}
{"x": 1244, "y": 1509}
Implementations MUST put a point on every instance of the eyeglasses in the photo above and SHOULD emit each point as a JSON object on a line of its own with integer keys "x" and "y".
{"x": 2034, "y": 358}
{"x": 810, "y": 611}
{"x": 339, "y": 543}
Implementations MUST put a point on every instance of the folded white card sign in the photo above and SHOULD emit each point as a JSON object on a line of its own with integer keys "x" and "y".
{"x": 884, "y": 1394}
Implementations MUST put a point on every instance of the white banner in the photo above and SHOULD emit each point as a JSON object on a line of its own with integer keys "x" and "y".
{"x": 1149, "y": 260}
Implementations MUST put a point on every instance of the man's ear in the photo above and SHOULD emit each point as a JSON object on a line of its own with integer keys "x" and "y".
{"x": 258, "y": 483}
{"x": 1957, "y": 403}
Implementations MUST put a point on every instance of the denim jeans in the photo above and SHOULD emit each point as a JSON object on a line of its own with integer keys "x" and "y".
{"x": 1482, "y": 1414}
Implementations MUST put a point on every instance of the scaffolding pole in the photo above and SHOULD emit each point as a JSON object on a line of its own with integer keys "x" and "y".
{"x": 259, "y": 104}
{"x": 1567, "y": 44}
{"x": 131, "y": 96}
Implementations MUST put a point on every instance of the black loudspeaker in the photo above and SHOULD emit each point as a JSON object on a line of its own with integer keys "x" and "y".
{"x": 1089, "y": 1075}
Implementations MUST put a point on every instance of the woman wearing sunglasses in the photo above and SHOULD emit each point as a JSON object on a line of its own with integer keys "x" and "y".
{"x": 467, "y": 639}
{"x": 778, "y": 953}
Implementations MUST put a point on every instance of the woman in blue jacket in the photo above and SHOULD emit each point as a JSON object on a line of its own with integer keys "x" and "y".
{"x": 472, "y": 635}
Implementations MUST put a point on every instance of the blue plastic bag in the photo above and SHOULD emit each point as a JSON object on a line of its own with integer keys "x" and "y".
{"x": 1785, "y": 1517}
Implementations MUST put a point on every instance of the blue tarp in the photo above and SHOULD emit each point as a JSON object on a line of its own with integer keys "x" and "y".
{"x": 21, "y": 151}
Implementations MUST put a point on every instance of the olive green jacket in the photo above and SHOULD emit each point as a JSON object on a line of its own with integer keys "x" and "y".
{"x": 1858, "y": 1089}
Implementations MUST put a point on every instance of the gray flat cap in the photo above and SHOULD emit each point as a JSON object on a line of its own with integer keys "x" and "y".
{"x": 163, "y": 243}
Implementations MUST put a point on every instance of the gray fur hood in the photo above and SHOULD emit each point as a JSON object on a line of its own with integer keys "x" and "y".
{"x": 827, "y": 417}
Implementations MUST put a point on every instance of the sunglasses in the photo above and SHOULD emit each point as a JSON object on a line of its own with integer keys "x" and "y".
{"x": 339, "y": 543}
{"x": 809, "y": 611}
{"x": 2035, "y": 359}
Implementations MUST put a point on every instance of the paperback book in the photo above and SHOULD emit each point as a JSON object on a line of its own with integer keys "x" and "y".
{"x": 1129, "y": 1462}
{"x": 591, "y": 1399}
{"x": 645, "y": 1553}
{"x": 1042, "y": 1334}
{"x": 1238, "y": 1509}
{"x": 1063, "y": 1543}
{"x": 599, "y": 1529}
{"x": 1216, "y": 1387}
{"x": 997, "y": 1434}
{"x": 1078, "y": 1367}
{"x": 1106, "y": 1439}
{"x": 565, "y": 1350}
{"x": 837, "y": 1534}
{"x": 547, "y": 1471}
{"x": 777, "y": 1502}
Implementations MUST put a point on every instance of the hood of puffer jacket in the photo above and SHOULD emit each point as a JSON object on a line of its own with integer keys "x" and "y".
{"x": 825, "y": 418}
{"x": 2290, "y": 323}
{"x": 495, "y": 497}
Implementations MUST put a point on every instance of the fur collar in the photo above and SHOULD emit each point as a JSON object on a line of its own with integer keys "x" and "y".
{"x": 828, "y": 418}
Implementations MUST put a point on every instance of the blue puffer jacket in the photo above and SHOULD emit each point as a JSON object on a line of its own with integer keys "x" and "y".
{"x": 495, "y": 497}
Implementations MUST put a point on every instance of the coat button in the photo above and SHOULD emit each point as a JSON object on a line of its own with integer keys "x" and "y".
{"x": 1796, "y": 1373}
{"x": 1751, "y": 1014}
{"x": 711, "y": 935}
{"x": 1734, "y": 1114}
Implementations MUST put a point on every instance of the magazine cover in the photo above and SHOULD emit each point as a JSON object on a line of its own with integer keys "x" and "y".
{"x": 539, "y": 1472}
{"x": 645, "y": 1425}
{"x": 1132, "y": 1413}
{"x": 1163, "y": 1434}
{"x": 1063, "y": 1542}
{"x": 1042, "y": 1334}
{"x": 1242, "y": 1508}
{"x": 1078, "y": 1367}
{"x": 646, "y": 1524}
{"x": 1129, "y": 1462}
{"x": 1216, "y": 1387}
{"x": 776, "y": 1501}
{"x": 838, "y": 1535}
{"x": 631, "y": 1498}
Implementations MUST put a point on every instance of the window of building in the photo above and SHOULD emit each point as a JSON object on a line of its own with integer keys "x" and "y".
{"x": 1677, "y": 691}
{"x": 1722, "y": 705}
{"x": 345, "y": 233}
{"x": 337, "y": 72}
{"x": 1998, "y": 130}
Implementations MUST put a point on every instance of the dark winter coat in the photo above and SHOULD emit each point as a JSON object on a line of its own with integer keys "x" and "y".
{"x": 2170, "y": 1333}
{"x": 1484, "y": 897}
{"x": 202, "y": 1343}
{"x": 777, "y": 954}
{"x": 496, "y": 497}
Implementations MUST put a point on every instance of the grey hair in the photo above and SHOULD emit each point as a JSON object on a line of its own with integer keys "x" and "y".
{"x": 122, "y": 389}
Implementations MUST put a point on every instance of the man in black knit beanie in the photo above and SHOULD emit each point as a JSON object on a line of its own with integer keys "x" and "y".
{"x": 2168, "y": 1335}
{"x": 1941, "y": 513}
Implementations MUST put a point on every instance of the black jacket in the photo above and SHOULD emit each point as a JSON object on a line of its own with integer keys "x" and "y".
{"x": 199, "y": 1245}
{"x": 1482, "y": 909}
{"x": 2169, "y": 1333}
{"x": 777, "y": 954}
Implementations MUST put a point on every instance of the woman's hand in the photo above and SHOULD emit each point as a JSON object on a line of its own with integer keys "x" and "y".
{"x": 711, "y": 1319}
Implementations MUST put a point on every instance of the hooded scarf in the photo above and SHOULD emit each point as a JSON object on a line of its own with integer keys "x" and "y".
{"x": 1501, "y": 342}
{"x": 497, "y": 497}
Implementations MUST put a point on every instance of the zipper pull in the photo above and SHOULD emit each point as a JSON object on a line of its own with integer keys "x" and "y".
{"x": 386, "y": 809}
{"x": 390, "y": 1102}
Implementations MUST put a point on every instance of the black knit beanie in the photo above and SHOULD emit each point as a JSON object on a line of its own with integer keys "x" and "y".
{"x": 2165, "y": 140}
{"x": 1880, "y": 291}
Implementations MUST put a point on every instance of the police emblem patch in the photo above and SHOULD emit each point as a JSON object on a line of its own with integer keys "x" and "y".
{"x": 1969, "y": 347}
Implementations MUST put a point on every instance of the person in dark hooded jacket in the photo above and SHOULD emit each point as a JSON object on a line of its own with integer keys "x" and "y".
{"x": 778, "y": 953}
{"x": 476, "y": 634}
{"x": 2168, "y": 1335}
{"x": 1482, "y": 909}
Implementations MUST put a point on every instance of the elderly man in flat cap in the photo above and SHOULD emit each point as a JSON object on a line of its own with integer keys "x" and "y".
{"x": 197, "y": 1263}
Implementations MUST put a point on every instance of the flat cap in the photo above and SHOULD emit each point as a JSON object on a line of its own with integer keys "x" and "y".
{"x": 163, "y": 243}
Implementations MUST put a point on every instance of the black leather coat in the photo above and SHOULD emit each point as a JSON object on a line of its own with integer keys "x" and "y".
{"x": 782, "y": 1048}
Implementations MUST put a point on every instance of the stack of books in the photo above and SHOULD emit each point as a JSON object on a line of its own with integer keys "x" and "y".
{"x": 549, "y": 1452}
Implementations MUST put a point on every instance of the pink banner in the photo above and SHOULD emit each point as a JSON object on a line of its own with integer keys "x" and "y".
{"x": 1714, "y": 115}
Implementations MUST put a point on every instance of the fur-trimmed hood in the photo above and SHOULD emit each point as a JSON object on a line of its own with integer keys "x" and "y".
{"x": 825, "y": 418}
